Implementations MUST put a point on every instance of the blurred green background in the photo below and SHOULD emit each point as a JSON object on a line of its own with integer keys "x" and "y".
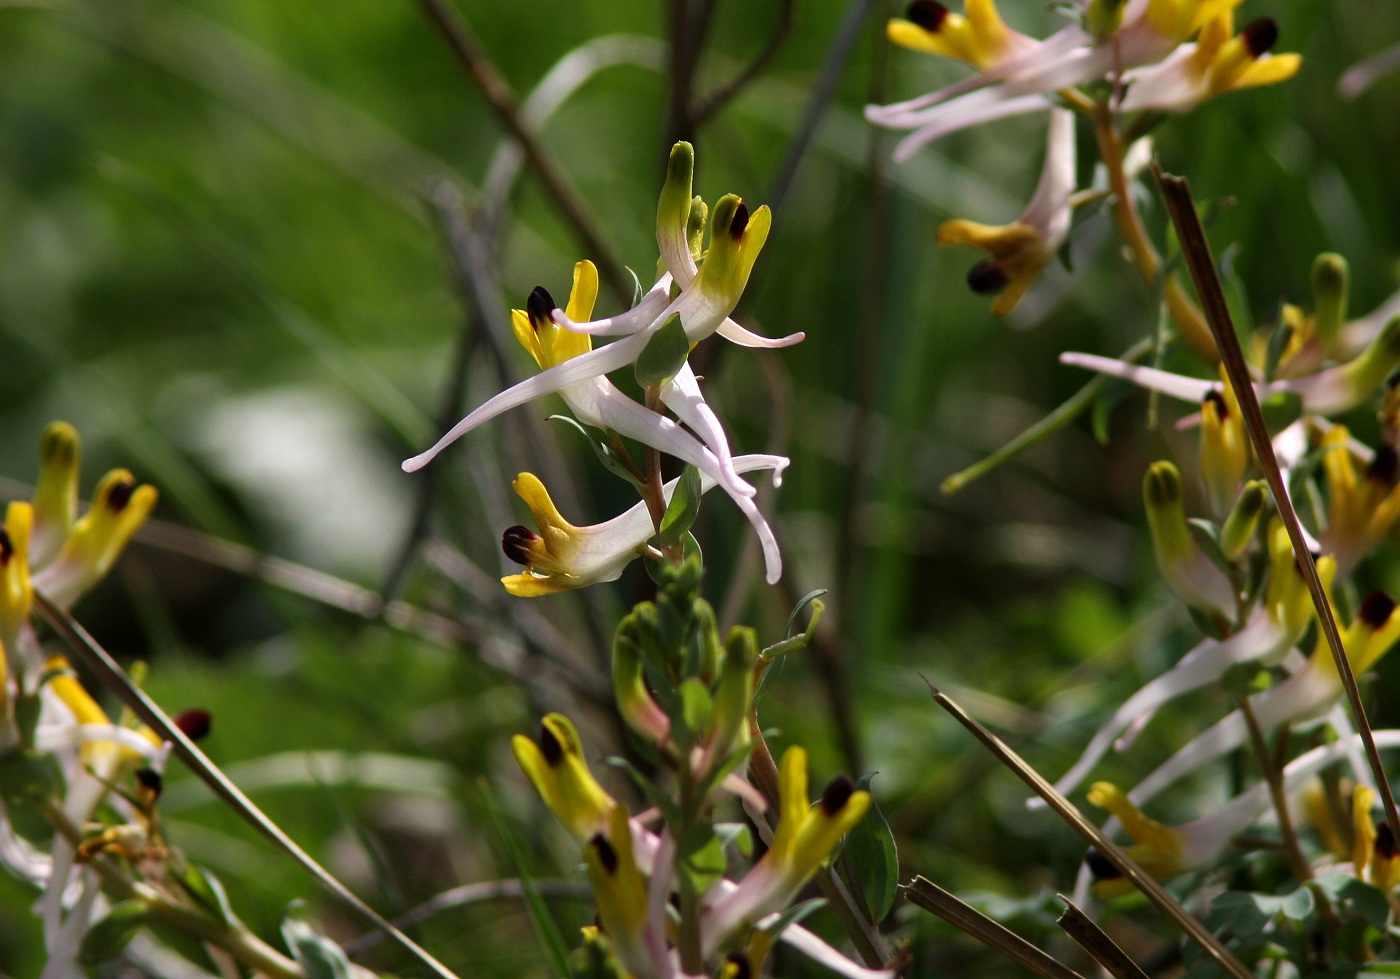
{"x": 222, "y": 260}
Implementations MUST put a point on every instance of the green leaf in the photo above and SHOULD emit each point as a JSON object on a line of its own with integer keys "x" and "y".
{"x": 1367, "y": 902}
{"x": 700, "y": 857}
{"x": 28, "y": 778}
{"x": 663, "y": 355}
{"x": 873, "y": 858}
{"x": 315, "y": 953}
{"x": 106, "y": 939}
{"x": 683, "y": 509}
{"x": 802, "y": 603}
{"x": 206, "y": 891}
{"x": 1247, "y": 913}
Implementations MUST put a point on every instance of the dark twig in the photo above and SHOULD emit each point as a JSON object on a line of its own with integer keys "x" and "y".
{"x": 498, "y": 95}
{"x": 926, "y": 894}
{"x": 1196, "y": 250}
{"x": 1111, "y": 851}
{"x": 449, "y": 409}
{"x": 689, "y": 23}
{"x": 822, "y": 93}
{"x": 114, "y": 678}
{"x": 1096, "y": 942}
{"x": 725, "y": 91}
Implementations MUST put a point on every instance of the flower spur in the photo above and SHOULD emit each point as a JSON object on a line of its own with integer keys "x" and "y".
{"x": 1331, "y": 391}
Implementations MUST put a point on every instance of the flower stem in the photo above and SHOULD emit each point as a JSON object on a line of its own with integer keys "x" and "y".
{"x": 1186, "y": 313}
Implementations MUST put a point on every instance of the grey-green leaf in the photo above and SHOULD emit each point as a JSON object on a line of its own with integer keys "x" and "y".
{"x": 663, "y": 355}
{"x": 314, "y": 952}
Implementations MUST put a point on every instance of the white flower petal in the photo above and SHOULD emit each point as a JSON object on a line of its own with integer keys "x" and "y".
{"x": 595, "y": 363}
{"x": 735, "y": 333}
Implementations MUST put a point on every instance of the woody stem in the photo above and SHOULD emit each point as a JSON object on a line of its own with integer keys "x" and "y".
{"x": 1187, "y": 315}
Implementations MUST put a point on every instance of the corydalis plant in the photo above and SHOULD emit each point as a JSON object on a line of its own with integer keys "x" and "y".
{"x": 697, "y": 287}
{"x": 695, "y": 719}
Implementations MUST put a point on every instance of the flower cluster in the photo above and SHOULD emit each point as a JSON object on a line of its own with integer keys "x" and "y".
{"x": 95, "y": 780}
{"x": 1235, "y": 569}
{"x": 697, "y": 288}
{"x": 1118, "y": 59}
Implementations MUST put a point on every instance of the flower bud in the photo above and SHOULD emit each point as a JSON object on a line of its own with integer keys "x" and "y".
{"x": 1187, "y": 570}
{"x": 1331, "y": 284}
{"x": 56, "y": 495}
{"x": 556, "y": 767}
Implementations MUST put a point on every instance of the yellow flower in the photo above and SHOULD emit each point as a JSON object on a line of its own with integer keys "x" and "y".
{"x": 981, "y": 38}
{"x": 1019, "y": 250}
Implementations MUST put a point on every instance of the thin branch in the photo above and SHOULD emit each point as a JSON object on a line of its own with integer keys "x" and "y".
{"x": 1111, "y": 851}
{"x": 499, "y": 97}
{"x": 722, "y": 93}
{"x": 823, "y": 92}
{"x": 1278, "y": 792}
{"x": 115, "y": 679}
{"x": 1195, "y": 248}
{"x": 924, "y": 893}
{"x": 1096, "y": 942}
{"x": 449, "y": 409}
{"x": 456, "y": 897}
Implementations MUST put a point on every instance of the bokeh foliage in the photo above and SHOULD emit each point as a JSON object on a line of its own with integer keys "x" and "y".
{"x": 219, "y": 259}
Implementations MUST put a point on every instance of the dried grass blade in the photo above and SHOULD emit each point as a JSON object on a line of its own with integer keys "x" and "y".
{"x": 1094, "y": 940}
{"x": 1111, "y": 851}
{"x": 1196, "y": 250}
{"x": 926, "y": 894}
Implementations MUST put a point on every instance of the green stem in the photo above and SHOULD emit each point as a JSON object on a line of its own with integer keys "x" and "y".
{"x": 1060, "y": 418}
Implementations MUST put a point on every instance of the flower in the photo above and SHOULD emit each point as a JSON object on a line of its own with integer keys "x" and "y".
{"x": 1361, "y": 507}
{"x": 598, "y": 402}
{"x": 1019, "y": 250}
{"x": 1218, "y": 62}
{"x": 1165, "y": 851}
{"x": 563, "y": 556}
{"x": 1190, "y": 574}
{"x": 981, "y": 38}
{"x": 556, "y": 767}
{"x": 1328, "y": 392}
{"x": 1374, "y": 852}
{"x": 1270, "y": 632}
{"x": 620, "y": 890}
{"x": 1019, "y": 75}
{"x": 44, "y": 545}
{"x": 1225, "y": 451}
{"x": 1304, "y": 696}
{"x": 805, "y": 836}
